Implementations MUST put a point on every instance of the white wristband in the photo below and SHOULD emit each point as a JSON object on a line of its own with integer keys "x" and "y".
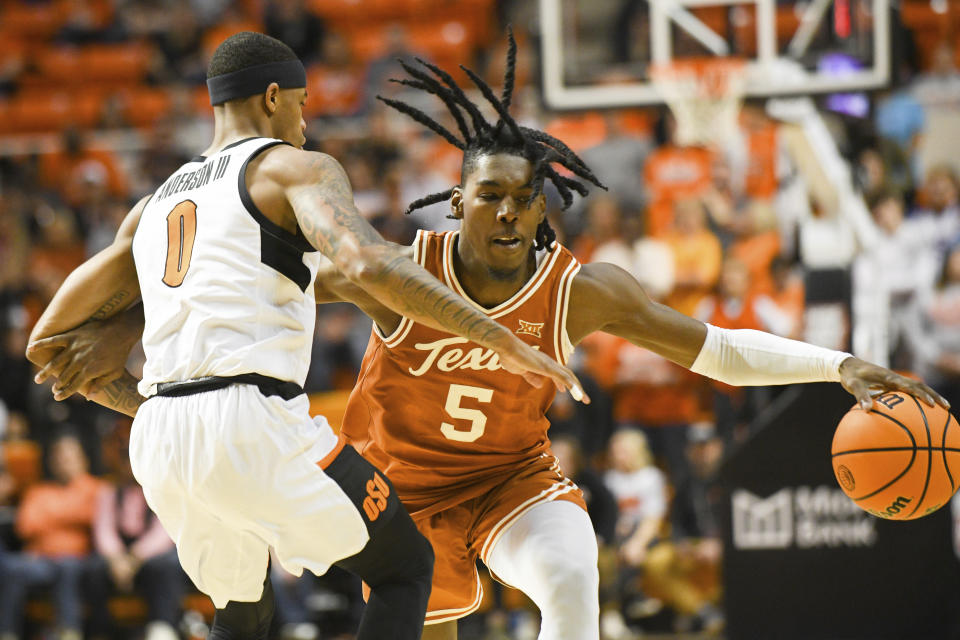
{"x": 744, "y": 357}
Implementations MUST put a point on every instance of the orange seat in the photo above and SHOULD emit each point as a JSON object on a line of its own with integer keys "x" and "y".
{"x": 333, "y": 92}
{"x": 114, "y": 62}
{"x": 5, "y": 126}
{"x": 579, "y": 131}
{"x": 44, "y": 111}
{"x": 366, "y": 42}
{"x": 23, "y": 461}
{"x": 144, "y": 105}
{"x": 354, "y": 11}
{"x": 59, "y": 63}
{"x": 214, "y": 36}
{"x": 200, "y": 100}
{"x": 33, "y": 21}
{"x": 444, "y": 41}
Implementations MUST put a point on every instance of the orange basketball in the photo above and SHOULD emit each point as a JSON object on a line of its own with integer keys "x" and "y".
{"x": 901, "y": 459}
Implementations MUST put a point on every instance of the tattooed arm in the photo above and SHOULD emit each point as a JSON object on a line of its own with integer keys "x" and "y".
{"x": 319, "y": 193}
{"x": 120, "y": 395}
{"x": 99, "y": 289}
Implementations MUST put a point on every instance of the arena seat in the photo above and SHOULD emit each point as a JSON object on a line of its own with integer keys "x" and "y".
{"x": 142, "y": 106}
{"x": 5, "y": 125}
{"x": 358, "y": 11}
{"x": 127, "y": 61}
{"x": 215, "y": 35}
{"x": 333, "y": 92}
{"x": 23, "y": 461}
{"x": 579, "y": 131}
{"x": 58, "y": 63}
{"x": 33, "y": 21}
{"x": 32, "y": 111}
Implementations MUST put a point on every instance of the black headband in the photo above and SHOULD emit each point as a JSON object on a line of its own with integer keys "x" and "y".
{"x": 289, "y": 74}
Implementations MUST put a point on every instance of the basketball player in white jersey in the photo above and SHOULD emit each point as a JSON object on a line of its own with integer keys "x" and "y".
{"x": 224, "y": 255}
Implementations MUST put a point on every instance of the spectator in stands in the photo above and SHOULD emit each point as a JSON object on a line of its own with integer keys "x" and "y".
{"x": 179, "y": 41}
{"x": 8, "y": 539}
{"x": 735, "y": 306}
{"x": 381, "y": 69}
{"x": 723, "y": 205}
{"x": 685, "y": 570}
{"x": 14, "y": 368}
{"x": 603, "y": 231}
{"x": 756, "y": 242}
{"x": 940, "y": 86}
{"x": 589, "y": 425}
{"x": 339, "y": 342}
{"x": 135, "y": 553}
{"x": 620, "y": 160}
{"x": 54, "y": 521}
{"x": 936, "y": 332}
{"x": 293, "y": 23}
{"x": 941, "y": 216}
{"x": 697, "y": 256}
{"x": 900, "y": 120}
{"x": 70, "y": 170}
{"x": 641, "y": 492}
{"x": 335, "y": 81}
{"x": 787, "y": 293}
{"x": 899, "y": 269}
{"x": 86, "y": 22}
{"x": 391, "y": 220}
{"x": 871, "y": 172}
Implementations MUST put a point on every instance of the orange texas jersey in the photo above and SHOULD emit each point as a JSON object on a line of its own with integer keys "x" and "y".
{"x": 436, "y": 412}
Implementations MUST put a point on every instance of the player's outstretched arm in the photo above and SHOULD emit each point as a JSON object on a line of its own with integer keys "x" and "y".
{"x": 319, "y": 192}
{"x": 100, "y": 288}
{"x": 607, "y": 298}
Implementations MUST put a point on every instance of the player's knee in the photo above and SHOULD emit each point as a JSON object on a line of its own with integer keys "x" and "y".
{"x": 569, "y": 573}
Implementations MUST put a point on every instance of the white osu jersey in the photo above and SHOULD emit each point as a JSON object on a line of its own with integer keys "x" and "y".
{"x": 225, "y": 290}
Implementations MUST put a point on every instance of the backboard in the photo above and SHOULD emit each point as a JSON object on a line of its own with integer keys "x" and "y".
{"x": 598, "y": 53}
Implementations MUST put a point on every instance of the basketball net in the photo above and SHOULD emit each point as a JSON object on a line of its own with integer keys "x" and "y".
{"x": 704, "y": 95}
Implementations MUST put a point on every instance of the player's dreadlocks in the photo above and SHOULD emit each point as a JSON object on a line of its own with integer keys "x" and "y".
{"x": 506, "y": 136}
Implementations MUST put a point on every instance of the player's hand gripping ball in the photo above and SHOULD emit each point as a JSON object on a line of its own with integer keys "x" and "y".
{"x": 901, "y": 459}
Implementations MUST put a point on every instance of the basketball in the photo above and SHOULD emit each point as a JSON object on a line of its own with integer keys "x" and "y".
{"x": 901, "y": 459}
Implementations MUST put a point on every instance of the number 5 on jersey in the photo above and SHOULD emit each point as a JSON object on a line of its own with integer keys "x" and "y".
{"x": 181, "y": 234}
{"x": 478, "y": 420}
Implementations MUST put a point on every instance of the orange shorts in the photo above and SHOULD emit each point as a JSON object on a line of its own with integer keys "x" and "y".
{"x": 468, "y": 530}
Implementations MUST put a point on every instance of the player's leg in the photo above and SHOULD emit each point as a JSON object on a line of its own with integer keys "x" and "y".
{"x": 397, "y": 566}
{"x": 441, "y": 631}
{"x": 189, "y": 481}
{"x": 396, "y": 562}
{"x": 550, "y": 553}
{"x": 245, "y": 620}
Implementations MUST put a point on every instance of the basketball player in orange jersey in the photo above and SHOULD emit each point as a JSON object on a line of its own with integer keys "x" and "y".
{"x": 465, "y": 443}
{"x": 224, "y": 255}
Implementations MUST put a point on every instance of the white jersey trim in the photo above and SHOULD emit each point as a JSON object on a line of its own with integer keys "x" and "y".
{"x": 509, "y": 305}
{"x": 445, "y": 615}
{"x": 562, "y": 345}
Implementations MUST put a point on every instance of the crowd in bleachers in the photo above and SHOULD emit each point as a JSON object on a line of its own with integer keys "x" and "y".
{"x": 100, "y": 100}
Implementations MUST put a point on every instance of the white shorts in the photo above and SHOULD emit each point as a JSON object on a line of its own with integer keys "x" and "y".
{"x": 232, "y": 472}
